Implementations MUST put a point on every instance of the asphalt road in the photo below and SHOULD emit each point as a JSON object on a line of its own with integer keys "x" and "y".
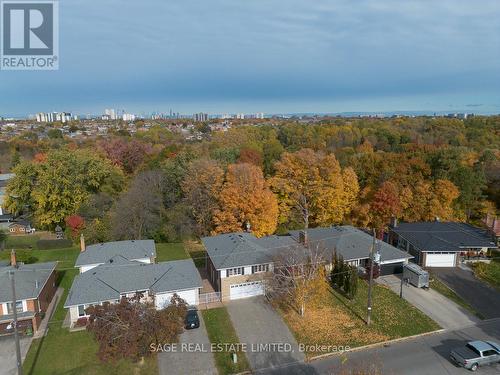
{"x": 427, "y": 355}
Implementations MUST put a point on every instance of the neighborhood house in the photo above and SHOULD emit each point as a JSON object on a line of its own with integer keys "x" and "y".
{"x": 439, "y": 244}
{"x": 238, "y": 262}
{"x": 35, "y": 288}
{"x": 125, "y": 269}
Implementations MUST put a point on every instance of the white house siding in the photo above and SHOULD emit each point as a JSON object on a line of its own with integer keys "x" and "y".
{"x": 191, "y": 296}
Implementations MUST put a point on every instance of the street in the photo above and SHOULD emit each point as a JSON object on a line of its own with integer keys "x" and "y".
{"x": 427, "y": 355}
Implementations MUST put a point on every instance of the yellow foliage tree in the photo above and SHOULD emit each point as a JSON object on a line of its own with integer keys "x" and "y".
{"x": 246, "y": 198}
{"x": 311, "y": 186}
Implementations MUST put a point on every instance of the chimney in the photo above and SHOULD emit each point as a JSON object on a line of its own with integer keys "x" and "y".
{"x": 496, "y": 225}
{"x": 37, "y": 284}
{"x": 82, "y": 243}
{"x": 303, "y": 237}
{"x": 13, "y": 260}
{"x": 394, "y": 222}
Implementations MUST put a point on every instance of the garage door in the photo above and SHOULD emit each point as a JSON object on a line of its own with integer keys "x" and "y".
{"x": 245, "y": 290}
{"x": 440, "y": 259}
{"x": 391, "y": 268}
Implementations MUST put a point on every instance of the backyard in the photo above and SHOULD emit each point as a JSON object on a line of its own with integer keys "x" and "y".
{"x": 64, "y": 352}
{"x": 335, "y": 320}
{"x": 489, "y": 272}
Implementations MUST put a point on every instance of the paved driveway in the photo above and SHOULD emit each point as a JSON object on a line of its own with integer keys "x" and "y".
{"x": 478, "y": 294}
{"x": 443, "y": 311}
{"x": 189, "y": 360}
{"x": 8, "y": 362}
{"x": 258, "y": 324}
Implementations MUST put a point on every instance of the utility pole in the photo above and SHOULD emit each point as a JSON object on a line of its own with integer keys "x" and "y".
{"x": 372, "y": 256}
{"x": 16, "y": 333}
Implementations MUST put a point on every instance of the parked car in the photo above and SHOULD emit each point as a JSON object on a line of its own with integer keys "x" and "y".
{"x": 475, "y": 354}
{"x": 192, "y": 319}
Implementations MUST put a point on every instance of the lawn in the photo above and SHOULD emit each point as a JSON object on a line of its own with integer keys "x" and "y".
{"x": 21, "y": 242}
{"x": 221, "y": 330}
{"x": 64, "y": 352}
{"x": 170, "y": 251}
{"x": 337, "y": 321}
{"x": 442, "y": 288}
{"x": 488, "y": 272}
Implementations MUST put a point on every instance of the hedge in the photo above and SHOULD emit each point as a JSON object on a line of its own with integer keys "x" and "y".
{"x": 53, "y": 244}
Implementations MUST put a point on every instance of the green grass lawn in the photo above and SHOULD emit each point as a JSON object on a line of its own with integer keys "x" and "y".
{"x": 488, "y": 272}
{"x": 21, "y": 242}
{"x": 64, "y": 352}
{"x": 442, "y": 288}
{"x": 221, "y": 330}
{"x": 170, "y": 251}
{"x": 335, "y": 320}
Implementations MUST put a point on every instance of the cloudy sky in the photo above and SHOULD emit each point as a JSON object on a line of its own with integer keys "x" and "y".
{"x": 268, "y": 56}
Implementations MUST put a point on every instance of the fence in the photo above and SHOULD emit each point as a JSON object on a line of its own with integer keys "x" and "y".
{"x": 206, "y": 298}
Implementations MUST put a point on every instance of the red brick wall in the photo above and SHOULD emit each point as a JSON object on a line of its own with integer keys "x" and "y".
{"x": 47, "y": 293}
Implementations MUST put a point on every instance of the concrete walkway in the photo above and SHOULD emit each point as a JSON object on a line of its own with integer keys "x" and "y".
{"x": 8, "y": 361}
{"x": 443, "y": 311}
{"x": 259, "y": 326}
{"x": 42, "y": 330}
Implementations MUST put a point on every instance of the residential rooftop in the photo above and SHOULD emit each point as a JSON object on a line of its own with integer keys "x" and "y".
{"x": 102, "y": 252}
{"x": 29, "y": 278}
{"x": 108, "y": 282}
{"x": 444, "y": 236}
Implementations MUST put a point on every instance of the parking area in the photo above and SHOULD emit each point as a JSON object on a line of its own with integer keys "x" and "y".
{"x": 443, "y": 311}
{"x": 263, "y": 330}
{"x": 195, "y": 359}
{"x": 8, "y": 362}
{"x": 478, "y": 294}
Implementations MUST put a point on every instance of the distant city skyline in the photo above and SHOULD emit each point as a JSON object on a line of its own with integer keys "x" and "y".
{"x": 292, "y": 56}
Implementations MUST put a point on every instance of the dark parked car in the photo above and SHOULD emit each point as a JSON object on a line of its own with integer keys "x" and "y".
{"x": 475, "y": 354}
{"x": 192, "y": 319}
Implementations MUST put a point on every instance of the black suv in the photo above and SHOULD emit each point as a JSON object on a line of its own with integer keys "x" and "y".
{"x": 192, "y": 319}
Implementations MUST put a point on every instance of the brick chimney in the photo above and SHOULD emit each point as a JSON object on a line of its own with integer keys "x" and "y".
{"x": 82, "y": 243}
{"x": 13, "y": 260}
{"x": 496, "y": 226}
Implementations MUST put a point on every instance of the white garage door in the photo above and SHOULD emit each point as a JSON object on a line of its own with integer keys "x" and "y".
{"x": 244, "y": 290}
{"x": 440, "y": 259}
{"x": 190, "y": 296}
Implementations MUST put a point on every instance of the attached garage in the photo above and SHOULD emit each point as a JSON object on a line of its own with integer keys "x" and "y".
{"x": 190, "y": 296}
{"x": 443, "y": 259}
{"x": 245, "y": 290}
{"x": 391, "y": 268}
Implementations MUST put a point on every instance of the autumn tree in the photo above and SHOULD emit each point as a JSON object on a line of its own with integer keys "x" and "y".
{"x": 385, "y": 205}
{"x": 56, "y": 188}
{"x": 128, "y": 329}
{"x": 312, "y": 188}
{"x": 124, "y": 153}
{"x": 246, "y": 198}
{"x": 202, "y": 186}
{"x": 298, "y": 276}
{"x": 76, "y": 224}
{"x": 138, "y": 211}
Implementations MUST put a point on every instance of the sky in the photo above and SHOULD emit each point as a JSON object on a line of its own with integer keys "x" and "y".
{"x": 271, "y": 56}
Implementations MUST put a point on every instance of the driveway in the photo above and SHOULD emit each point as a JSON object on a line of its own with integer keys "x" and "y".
{"x": 8, "y": 361}
{"x": 478, "y": 294}
{"x": 258, "y": 324}
{"x": 443, "y": 311}
{"x": 194, "y": 359}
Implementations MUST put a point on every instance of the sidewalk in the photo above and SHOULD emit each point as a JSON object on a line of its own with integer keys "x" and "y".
{"x": 42, "y": 330}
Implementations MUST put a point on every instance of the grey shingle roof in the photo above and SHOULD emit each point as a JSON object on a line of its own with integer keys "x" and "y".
{"x": 443, "y": 236}
{"x": 106, "y": 282}
{"x": 103, "y": 252}
{"x": 244, "y": 249}
{"x": 26, "y": 278}
{"x": 351, "y": 243}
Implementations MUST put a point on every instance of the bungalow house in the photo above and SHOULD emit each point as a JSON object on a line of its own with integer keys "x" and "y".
{"x": 20, "y": 227}
{"x": 35, "y": 288}
{"x": 124, "y": 278}
{"x": 439, "y": 244}
{"x": 143, "y": 251}
{"x": 237, "y": 263}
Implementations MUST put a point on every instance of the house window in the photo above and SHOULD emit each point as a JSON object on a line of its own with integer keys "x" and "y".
{"x": 19, "y": 307}
{"x": 235, "y": 271}
{"x": 81, "y": 310}
{"x": 260, "y": 268}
